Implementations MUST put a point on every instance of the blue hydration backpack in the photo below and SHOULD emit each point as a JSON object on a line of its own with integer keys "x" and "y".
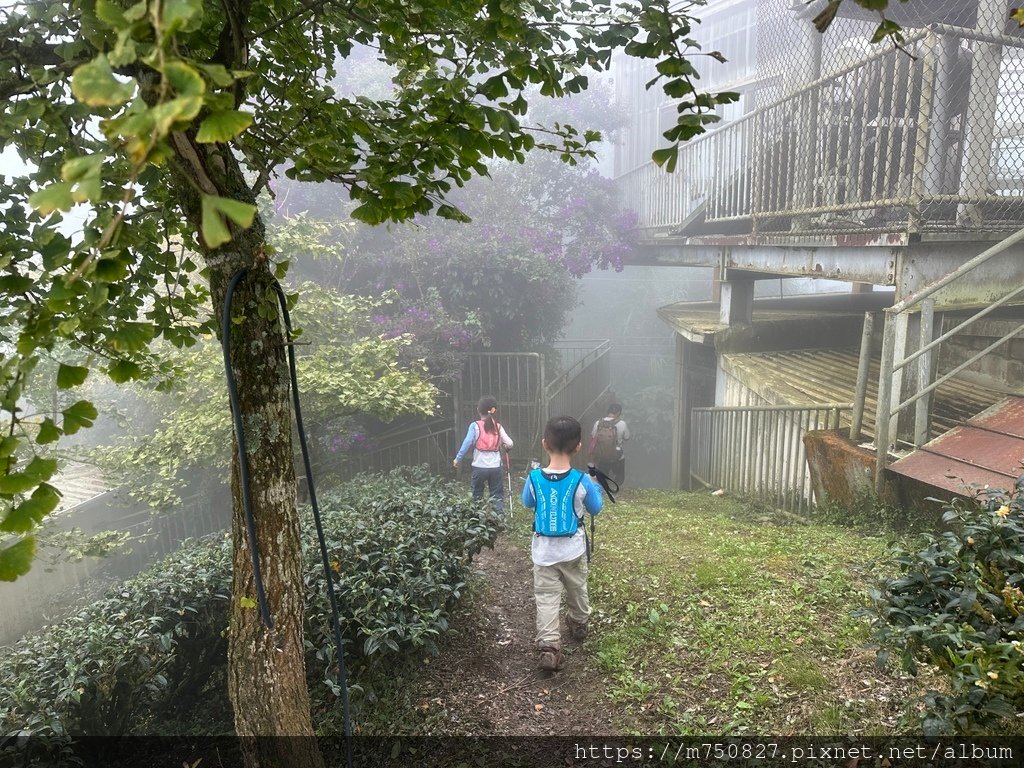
{"x": 555, "y": 513}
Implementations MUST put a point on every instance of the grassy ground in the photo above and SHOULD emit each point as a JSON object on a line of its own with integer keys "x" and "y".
{"x": 710, "y": 619}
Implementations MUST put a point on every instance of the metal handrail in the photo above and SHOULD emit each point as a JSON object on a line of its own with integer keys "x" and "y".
{"x": 924, "y": 355}
{"x": 781, "y": 408}
{"x": 562, "y": 380}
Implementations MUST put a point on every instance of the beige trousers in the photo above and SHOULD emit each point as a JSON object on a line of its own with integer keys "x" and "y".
{"x": 548, "y": 581}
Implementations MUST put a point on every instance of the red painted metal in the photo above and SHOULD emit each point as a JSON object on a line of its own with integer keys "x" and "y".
{"x": 985, "y": 450}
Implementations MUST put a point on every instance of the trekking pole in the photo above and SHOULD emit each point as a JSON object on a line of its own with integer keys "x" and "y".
{"x": 605, "y": 481}
{"x": 508, "y": 475}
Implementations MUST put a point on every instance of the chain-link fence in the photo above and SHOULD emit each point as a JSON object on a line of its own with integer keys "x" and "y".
{"x": 840, "y": 134}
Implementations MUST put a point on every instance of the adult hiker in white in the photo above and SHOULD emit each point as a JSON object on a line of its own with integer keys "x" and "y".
{"x": 606, "y": 439}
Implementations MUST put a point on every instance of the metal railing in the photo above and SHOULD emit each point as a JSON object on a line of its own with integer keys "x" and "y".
{"x": 433, "y": 444}
{"x": 896, "y": 361}
{"x": 882, "y": 143}
{"x": 579, "y": 390}
{"x": 516, "y": 379}
{"x": 758, "y": 450}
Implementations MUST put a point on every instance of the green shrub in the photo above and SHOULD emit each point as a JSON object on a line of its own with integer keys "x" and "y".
{"x": 866, "y": 511}
{"x": 142, "y": 655}
{"x": 139, "y": 651}
{"x": 958, "y": 605}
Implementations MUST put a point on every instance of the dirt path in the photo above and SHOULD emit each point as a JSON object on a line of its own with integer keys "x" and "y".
{"x": 486, "y": 680}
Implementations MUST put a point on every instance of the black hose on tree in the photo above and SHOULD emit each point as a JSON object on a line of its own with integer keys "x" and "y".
{"x": 243, "y": 466}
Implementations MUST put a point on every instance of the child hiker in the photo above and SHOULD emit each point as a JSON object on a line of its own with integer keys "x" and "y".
{"x": 486, "y": 437}
{"x": 560, "y": 495}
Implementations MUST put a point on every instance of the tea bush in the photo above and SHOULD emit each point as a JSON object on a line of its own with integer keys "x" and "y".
{"x": 958, "y": 605}
{"x": 400, "y": 545}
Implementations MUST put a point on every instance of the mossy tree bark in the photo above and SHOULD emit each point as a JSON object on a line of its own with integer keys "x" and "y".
{"x": 266, "y": 669}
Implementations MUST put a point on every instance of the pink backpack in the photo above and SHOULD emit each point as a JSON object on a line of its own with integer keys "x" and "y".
{"x": 487, "y": 441}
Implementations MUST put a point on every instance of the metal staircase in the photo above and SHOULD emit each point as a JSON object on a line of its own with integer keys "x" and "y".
{"x": 909, "y": 359}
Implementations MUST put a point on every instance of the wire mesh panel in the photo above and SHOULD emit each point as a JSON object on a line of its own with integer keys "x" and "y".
{"x": 759, "y": 450}
{"x": 842, "y": 134}
{"x": 516, "y": 380}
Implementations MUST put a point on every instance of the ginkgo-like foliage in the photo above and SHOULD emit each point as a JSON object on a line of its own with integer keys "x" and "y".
{"x": 149, "y": 127}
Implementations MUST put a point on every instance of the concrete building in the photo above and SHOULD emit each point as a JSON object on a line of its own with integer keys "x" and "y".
{"x": 898, "y": 171}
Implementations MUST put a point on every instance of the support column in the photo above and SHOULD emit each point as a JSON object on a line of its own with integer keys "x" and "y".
{"x": 934, "y": 182}
{"x": 681, "y": 433}
{"x": 976, "y": 177}
{"x": 736, "y": 305}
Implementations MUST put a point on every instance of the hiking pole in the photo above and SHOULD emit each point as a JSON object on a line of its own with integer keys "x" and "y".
{"x": 508, "y": 475}
{"x": 604, "y": 480}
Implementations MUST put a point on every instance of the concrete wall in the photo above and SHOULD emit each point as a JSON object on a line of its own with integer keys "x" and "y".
{"x": 841, "y": 471}
{"x": 1003, "y": 368}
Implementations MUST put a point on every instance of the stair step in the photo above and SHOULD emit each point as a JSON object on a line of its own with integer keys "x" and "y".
{"x": 987, "y": 450}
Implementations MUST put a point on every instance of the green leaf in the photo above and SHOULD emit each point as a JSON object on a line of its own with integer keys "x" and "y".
{"x": 110, "y": 269}
{"x": 78, "y": 168}
{"x": 29, "y": 513}
{"x": 40, "y": 469}
{"x": 247, "y": 602}
{"x": 85, "y": 173}
{"x": 137, "y": 12}
{"x": 48, "y": 432}
{"x": 16, "y": 283}
{"x": 185, "y": 79}
{"x": 8, "y": 446}
{"x": 181, "y": 14}
{"x": 17, "y": 482}
{"x": 16, "y": 559}
{"x": 110, "y": 14}
{"x": 216, "y": 210}
{"x": 81, "y": 414}
{"x": 667, "y": 157}
{"x": 132, "y": 337}
{"x": 56, "y": 197}
{"x": 223, "y": 126}
{"x": 124, "y": 370}
{"x": 218, "y": 74}
{"x": 887, "y": 29}
{"x": 179, "y": 110}
{"x": 71, "y": 375}
{"x": 94, "y": 84}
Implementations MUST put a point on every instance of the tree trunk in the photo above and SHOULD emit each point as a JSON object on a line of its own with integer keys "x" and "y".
{"x": 266, "y": 667}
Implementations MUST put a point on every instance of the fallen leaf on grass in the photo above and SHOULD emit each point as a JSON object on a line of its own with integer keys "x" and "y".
{"x": 538, "y": 707}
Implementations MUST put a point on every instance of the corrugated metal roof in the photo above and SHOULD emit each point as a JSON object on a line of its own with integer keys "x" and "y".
{"x": 986, "y": 450}
{"x": 700, "y": 321}
{"x": 830, "y": 376}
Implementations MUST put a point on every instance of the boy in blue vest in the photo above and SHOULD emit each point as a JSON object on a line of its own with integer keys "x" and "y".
{"x": 560, "y": 495}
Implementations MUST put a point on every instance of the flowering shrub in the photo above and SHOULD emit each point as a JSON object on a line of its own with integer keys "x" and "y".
{"x": 958, "y": 605}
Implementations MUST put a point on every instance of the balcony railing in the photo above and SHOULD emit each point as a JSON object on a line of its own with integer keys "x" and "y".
{"x": 931, "y": 136}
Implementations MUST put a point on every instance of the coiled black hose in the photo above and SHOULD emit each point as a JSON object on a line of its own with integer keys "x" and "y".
{"x": 250, "y": 521}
